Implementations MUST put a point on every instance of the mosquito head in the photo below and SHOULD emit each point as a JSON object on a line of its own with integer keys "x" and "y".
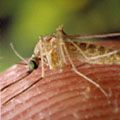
{"x": 32, "y": 64}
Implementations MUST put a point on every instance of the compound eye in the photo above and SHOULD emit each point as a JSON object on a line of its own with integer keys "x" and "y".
{"x": 32, "y": 65}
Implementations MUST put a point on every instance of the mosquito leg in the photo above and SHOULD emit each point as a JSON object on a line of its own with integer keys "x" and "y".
{"x": 95, "y": 59}
{"x": 90, "y": 80}
{"x": 48, "y": 55}
{"x": 42, "y": 59}
{"x": 104, "y": 55}
{"x": 62, "y": 52}
{"x": 82, "y": 75}
{"x": 83, "y": 54}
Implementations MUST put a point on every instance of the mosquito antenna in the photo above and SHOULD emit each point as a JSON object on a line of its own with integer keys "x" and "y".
{"x": 17, "y": 54}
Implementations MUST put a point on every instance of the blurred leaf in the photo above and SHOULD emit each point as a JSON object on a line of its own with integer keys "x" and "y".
{"x": 31, "y": 18}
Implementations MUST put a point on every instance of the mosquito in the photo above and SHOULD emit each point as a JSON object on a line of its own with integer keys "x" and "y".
{"x": 59, "y": 49}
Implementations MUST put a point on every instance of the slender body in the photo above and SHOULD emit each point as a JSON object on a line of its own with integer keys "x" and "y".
{"x": 52, "y": 48}
{"x": 58, "y": 49}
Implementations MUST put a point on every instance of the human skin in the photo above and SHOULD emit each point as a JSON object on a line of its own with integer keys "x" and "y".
{"x": 61, "y": 95}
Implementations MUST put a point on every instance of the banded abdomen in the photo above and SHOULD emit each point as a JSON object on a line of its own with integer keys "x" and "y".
{"x": 95, "y": 53}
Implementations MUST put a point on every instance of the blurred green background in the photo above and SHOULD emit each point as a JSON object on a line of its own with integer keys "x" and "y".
{"x": 22, "y": 21}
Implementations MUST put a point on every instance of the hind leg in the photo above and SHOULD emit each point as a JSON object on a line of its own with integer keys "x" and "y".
{"x": 81, "y": 74}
